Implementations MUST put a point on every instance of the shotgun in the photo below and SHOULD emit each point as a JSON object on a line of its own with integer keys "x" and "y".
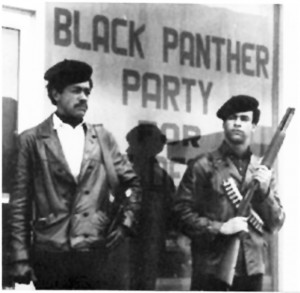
{"x": 228, "y": 263}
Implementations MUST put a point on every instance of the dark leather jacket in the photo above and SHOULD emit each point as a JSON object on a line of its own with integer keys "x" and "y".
{"x": 202, "y": 207}
{"x": 50, "y": 208}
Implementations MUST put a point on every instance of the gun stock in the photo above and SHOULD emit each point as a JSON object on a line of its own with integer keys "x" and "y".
{"x": 227, "y": 267}
{"x": 228, "y": 263}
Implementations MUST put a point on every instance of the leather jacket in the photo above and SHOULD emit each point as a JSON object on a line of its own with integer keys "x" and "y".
{"x": 53, "y": 211}
{"x": 202, "y": 206}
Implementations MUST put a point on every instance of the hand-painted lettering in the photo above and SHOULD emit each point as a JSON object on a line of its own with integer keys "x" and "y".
{"x": 118, "y": 25}
{"x": 215, "y": 53}
{"x": 151, "y": 84}
{"x": 62, "y": 24}
{"x": 119, "y": 36}
{"x": 101, "y": 23}
{"x": 78, "y": 43}
{"x": 163, "y": 92}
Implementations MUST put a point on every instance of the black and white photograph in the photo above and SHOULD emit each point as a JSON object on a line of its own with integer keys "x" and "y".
{"x": 150, "y": 146}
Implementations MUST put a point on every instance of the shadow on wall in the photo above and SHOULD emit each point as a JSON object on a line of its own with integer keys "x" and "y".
{"x": 148, "y": 250}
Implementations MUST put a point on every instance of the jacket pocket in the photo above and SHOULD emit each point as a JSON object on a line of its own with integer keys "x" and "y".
{"x": 44, "y": 223}
{"x": 51, "y": 230}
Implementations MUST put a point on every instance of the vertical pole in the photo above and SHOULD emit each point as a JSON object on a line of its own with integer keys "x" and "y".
{"x": 275, "y": 110}
{"x": 276, "y": 64}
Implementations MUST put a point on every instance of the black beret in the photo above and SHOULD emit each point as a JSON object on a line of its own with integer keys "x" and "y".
{"x": 237, "y": 104}
{"x": 68, "y": 72}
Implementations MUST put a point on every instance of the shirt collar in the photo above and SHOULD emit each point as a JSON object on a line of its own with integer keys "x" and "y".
{"x": 58, "y": 123}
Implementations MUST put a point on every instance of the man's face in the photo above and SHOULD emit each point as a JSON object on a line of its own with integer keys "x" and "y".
{"x": 72, "y": 102}
{"x": 238, "y": 127}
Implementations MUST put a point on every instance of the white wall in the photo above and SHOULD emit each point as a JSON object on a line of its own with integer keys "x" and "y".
{"x": 289, "y": 158}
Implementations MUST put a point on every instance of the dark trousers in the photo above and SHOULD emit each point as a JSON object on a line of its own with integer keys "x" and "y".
{"x": 70, "y": 270}
{"x": 245, "y": 283}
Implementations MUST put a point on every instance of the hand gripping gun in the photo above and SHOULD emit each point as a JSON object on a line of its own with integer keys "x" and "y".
{"x": 228, "y": 263}
{"x": 235, "y": 197}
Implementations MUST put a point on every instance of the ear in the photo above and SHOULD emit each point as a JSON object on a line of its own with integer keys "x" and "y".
{"x": 253, "y": 127}
{"x": 223, "y": 124}
{"x": 55, "y": 94}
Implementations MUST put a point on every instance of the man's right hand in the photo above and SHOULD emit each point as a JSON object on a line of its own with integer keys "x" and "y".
{"x": 116, "y": 237}
{"x": 22, "y": 273}
{"x": 234, "y": 225}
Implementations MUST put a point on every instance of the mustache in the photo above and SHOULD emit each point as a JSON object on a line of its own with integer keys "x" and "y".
{"x": 81, "y": 104}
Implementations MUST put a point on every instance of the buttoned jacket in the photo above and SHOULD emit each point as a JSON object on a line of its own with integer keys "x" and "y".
{"x": 202, "y": 206}
{"x": 52, "y": 210}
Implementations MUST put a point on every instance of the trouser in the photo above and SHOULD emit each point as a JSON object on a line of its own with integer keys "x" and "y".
{"x": 243, "y": 283}
{"x": 70, "y": 270}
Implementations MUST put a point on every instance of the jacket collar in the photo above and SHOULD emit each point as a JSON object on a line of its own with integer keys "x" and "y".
{"x": 48, "y": 135}
{"x": 91, "y": 149}
{"x": 48, "y": 127}
{"x": 225, "y": 153}
{"x": 45, "y": 129}
{"x": 53, "y": 150}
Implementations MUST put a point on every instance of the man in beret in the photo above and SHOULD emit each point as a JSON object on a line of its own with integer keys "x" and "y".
{"x": 206, "y": 209}
{"x": 66, "y": 170}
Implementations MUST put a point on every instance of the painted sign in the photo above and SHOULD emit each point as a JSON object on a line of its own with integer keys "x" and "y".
{"x": 170, "y": 64}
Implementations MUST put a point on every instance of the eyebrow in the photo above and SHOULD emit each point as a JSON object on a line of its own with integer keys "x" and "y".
{"x": 241, "y": 116}
{"x": 80, "y": 87}
{"x": 245, "y": 117}
{"x": 85, "y": 89}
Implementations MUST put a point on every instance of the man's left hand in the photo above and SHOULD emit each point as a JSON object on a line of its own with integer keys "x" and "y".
{"x": 115, "y": 238}
{"x": 263, "y": 175}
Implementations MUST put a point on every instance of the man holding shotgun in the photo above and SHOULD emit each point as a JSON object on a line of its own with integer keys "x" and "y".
{"x": 208, "y": 197}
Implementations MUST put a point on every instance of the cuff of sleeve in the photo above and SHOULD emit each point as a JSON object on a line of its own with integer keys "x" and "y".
{"x": 129, "y": 223}
{"x": 214, "y": 227}
{"x": 128, "y": 219}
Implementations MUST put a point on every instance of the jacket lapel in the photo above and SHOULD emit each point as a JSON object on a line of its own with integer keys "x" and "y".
{"x": 54, "y": 151}
{"x": 91, "y": 150}
{"x": 225, "y": 165}
{"x": 52, "y": 146}
{"x": 233, "y": 171}
{"x": 254, "y": 163}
